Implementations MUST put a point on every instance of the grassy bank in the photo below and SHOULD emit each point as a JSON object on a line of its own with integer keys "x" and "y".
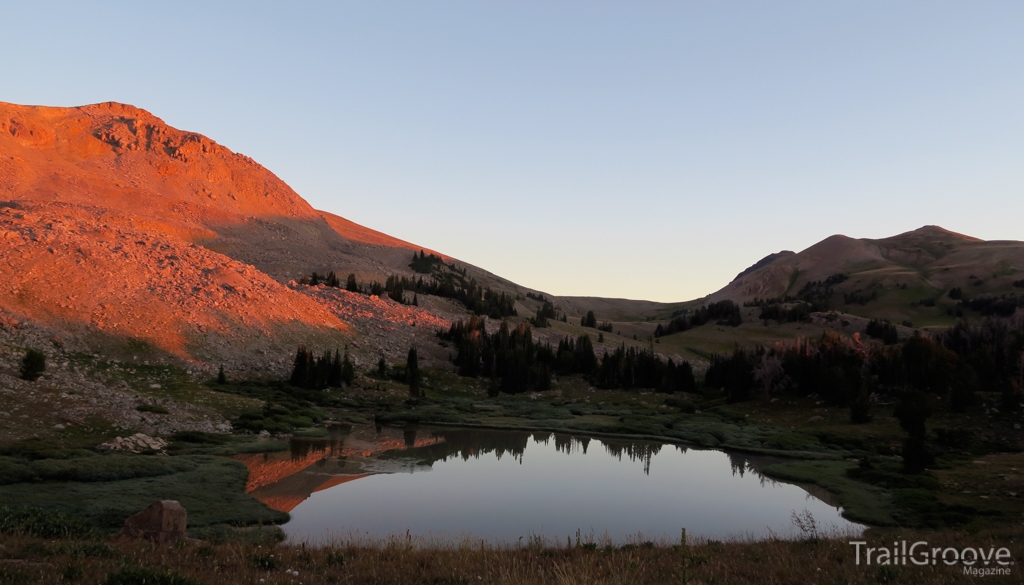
{"x": 27, "y": 559}
{"x": 105, "y": 488}
{"x": 972, "y": 489}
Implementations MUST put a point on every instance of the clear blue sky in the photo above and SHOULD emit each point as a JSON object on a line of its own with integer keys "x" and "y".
{"x": 635, "y": 149}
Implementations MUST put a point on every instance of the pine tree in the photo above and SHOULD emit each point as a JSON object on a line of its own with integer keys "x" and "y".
{"x": 321, "y": 372}
{"x": 300, "y": 369}
{"x": 348, "y": 370}
{"x": 415, "y": 300}
{"x": 351, "y": 285}
{"x": 221, "y": 378}
{"x": 590, "y": 320}
{"x": 412, "y": 373}
{"x": 382, "y": 368}
{"x": 335, "y": 379}
{"x": 912, "y": 411}
{"x": 33, "y": 365}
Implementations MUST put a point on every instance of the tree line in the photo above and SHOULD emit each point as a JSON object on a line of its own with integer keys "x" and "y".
{"x": 545, "y": 313}
{"x": 723, "y": 313}
{"x": 316, "y": 372}
{"x": 452, "y": 284}
{"x": 519, "y": 364}
{"x": 946, "y": 369}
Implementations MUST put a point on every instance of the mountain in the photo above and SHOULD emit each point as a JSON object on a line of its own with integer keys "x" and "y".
{"x": 123, "y": 233}
{"x": 896, "y": 273}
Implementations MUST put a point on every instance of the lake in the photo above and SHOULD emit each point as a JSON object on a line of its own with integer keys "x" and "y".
{"x": 509, "y": 486}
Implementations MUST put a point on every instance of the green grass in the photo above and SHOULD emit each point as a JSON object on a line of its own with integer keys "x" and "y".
{"x": 212, "y": 489}
{"x": 34, "y": 521}
{"x": 861, "y": 502}
{"x": 91, "y": 468}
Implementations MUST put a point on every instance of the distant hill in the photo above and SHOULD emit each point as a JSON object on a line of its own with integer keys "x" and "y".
{"x": 896, "y": 273}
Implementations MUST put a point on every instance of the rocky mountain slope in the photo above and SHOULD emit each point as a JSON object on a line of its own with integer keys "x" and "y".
{"x": 137, "y": 237}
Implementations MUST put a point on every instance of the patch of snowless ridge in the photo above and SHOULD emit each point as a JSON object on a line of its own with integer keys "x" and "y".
{"x": 117, "y": 226}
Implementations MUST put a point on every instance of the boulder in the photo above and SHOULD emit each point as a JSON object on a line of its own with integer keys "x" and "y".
{"x": 136, "y": 443}
{"x": 161, "y": 522}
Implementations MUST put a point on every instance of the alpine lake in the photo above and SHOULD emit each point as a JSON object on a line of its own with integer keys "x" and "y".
{"x": 516, "y": 487}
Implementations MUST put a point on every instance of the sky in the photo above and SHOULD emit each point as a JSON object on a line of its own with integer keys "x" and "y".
{"x": 647, "y": 150}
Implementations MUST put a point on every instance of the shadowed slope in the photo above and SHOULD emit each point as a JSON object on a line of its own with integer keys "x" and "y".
{"x": 930, "y": 259}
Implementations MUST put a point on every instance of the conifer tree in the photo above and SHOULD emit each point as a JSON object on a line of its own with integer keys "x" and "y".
{"x": 221, "y": 378}
{"x": 382, "y": 368}
{"x": 589, "y": 320}
{"x": 412, "y": 373}
{"x": 351, "y": 285}
{"x": 298, "y": 378}
{"x": 912, "y": 411}
{"x": 336, "y": 377}
{"x": 348, "y": 370}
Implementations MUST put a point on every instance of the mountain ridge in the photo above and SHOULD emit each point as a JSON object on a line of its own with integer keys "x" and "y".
{"x": 126, "y": 230}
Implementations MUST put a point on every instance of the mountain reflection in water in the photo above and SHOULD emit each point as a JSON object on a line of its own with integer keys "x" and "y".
{"x": 556, "y": 482}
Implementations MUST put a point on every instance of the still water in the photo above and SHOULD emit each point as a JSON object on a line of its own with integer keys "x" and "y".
{"x": 505, "y": 486}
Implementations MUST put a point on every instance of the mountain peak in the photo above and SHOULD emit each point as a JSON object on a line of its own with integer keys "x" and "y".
{"x": 932, "y": 232}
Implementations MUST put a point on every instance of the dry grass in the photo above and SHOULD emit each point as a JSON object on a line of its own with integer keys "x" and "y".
{"x": 402, "y": 560}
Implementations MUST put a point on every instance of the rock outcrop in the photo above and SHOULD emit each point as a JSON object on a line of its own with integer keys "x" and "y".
{"x": 136, "y": 443}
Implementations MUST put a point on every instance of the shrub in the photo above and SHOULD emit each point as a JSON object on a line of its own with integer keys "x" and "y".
{"x": 33, "y": 365}
{"x": 882, "y": 329}
{"x": 200, "y": 437}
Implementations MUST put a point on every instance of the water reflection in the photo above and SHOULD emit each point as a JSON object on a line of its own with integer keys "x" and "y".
{"x": 506, "y": 484}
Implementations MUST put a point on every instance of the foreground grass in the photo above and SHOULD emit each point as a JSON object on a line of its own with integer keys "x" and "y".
{"x": 105, "y": 488}
{"x": 26, "y": 559}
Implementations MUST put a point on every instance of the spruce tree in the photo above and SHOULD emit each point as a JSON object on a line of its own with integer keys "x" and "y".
{"x": 382, "y": 368}
{"x": 912, "y": 411}
{"x": 412, "y": 373}
{"x": 221, "y": 378}
{"x": 590, "y": 320}
{"x": 351, "y": 285}
{"x": 33, "y": 365}
{"x": 348, "y": 370}
{"x": 335, "y": 379}
{"x": 300, "y": 369}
